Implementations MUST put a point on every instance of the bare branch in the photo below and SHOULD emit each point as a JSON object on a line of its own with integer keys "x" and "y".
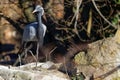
{"x": 102, "y": 15}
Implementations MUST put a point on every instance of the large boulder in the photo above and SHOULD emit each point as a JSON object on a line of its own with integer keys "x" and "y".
{"x": 102, "y": 60}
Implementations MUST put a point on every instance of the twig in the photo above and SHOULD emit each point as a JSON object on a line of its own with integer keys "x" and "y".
{"x": 76, "y": 14}
{"x": 32, "y": 55}
{"x": 66, "y": 71}
{"x": 48, "y": 56}
{"x": 22, "y": 54}
{"x": 102, "y": 15}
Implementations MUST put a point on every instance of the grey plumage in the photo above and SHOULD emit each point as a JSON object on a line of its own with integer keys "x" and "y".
{"x": 30, "y": 32}
{"x": 34, "y": 32}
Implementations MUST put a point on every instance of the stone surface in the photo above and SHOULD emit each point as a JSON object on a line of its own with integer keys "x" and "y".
{"x": 1, "y": 78}
{"x": 31, "y": 72}
{"x": 102, "y": 60}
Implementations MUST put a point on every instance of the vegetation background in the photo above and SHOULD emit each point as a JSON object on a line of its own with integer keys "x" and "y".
{"x": 68, "y": 22}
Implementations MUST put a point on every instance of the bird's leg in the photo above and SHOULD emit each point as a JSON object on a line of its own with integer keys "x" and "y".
{"x": 37, "y": 52}
{"x": 20, "y": 52}
{"x": 23, "y": 53}
{"x": 19, "y": 59}
{"x": 27, "y": 49}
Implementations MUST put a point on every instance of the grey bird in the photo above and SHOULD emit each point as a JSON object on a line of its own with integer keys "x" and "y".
{"x": 35, "y": 31}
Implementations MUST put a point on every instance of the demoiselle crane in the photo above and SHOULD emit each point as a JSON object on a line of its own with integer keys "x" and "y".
{"x": 35, "y": 31}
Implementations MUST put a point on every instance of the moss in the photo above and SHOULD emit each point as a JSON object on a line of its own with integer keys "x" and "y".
{"x": 117, "y": 78}
{"x": 80, "y": 58}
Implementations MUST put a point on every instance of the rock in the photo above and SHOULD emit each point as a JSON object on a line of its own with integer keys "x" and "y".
{"x": 102, "y": 60}
{"x": 68, "y": 68}
{"x": 52, "y": 75}
{"x": 47, "y": 65}
{"x": 1, "y": 78}
{"x": 31, "y": 72}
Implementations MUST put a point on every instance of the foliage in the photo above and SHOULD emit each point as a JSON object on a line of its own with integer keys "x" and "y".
{"x": 117, "y": 1}
{"x": 78, "y": 77}
{"x": 73, "y": 19}
{"x": 116, "y": 19}
{"x": 67, "y": 21}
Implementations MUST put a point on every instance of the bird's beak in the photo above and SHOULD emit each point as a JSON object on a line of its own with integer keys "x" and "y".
{"x": 34, "y": 11}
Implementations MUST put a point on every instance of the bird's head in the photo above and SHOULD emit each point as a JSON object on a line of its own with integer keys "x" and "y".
{"x": 38, "y": 9}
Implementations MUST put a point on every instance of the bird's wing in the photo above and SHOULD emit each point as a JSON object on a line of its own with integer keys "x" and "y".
{"x": 42, "y": 35}
{"x": 29, "y": 33}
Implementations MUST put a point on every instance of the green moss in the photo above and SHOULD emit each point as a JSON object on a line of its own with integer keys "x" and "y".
{"x": 117, "y": 78}
{"x": 80, "y": 58}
